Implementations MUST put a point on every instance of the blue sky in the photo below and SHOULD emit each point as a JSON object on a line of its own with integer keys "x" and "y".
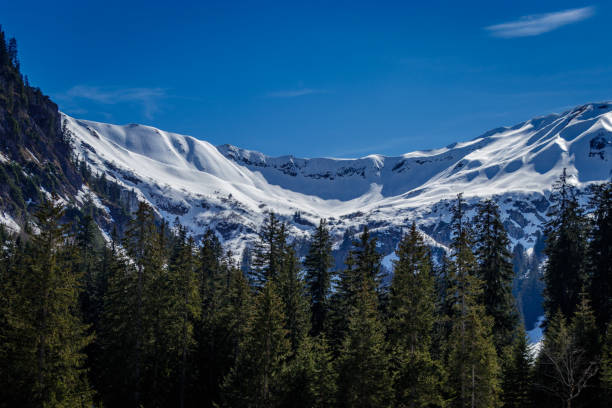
{"x": 316, "y": 78}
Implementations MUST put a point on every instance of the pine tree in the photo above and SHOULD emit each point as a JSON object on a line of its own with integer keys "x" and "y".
{"x": 256, "y": 380}
{"x": 45, "y": 335}
{"x": 109, "y": 266}
{"x": 214, "y": 330}
{"x": 473, "y": 366}
{"x": 362, "y": 266}
{"x": 411, "y": 319}
{"x": 472, "y": 359}
{"x": 132, "y": 318}
{"x": 268, "y": 251}
{"x": 87, "y": 245}
{"x": 312, "y": 378}
{"x": 517, "y": 374}
{"x": 318, "y": 264}
{"x": 291, "y": 289}
{"x": 564, "y": 273}
{"x": 364, "y": 379}
{"x": 600, "y": 253}
{"x": 495, "y": 269}
{"x": 185, "y": 304}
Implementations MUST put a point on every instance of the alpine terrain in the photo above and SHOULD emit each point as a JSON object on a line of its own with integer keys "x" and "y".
{"x": 230, "y": 190}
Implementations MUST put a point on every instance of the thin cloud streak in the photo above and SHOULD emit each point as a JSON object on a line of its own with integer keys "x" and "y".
{"x": 536, "y": 24}
{"x": 147, "y": 97}
{"x": 295, "y": 93}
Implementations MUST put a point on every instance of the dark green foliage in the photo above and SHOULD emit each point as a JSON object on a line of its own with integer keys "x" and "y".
{"x": 495, "y": 270}
{"x": 257, "y": 379}
{"x": 417, "y": 377}
{"x": 517, "y": 374}
{"x": 472, "y": 363}
{"x": 44, "y": 337}
{"x": 566, "y": 247}
{"x": 292, "y": 292}
{"x": 318, "y": 264}
{"x": 362, "y": 268}
{"x": 599, "y": 258}
{"x": 364, "y": 379}
{"x": 268, "y": 252}
{"x": 312, "y": 377}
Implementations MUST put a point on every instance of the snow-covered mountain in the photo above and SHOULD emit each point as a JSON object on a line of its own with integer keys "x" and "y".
{"x": 230, "y": 189}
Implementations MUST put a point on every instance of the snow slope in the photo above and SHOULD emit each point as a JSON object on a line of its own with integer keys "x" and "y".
{"x": 225, "y": 186}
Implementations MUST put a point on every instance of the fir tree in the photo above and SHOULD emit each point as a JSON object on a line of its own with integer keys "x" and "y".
{"x": 318, "y": 264}
{"x": 411, "y": 319}
{"x": 362, "y": 267}
{"x": 268, "y": 251}
{"x": 364, "y": 379}
{"x": 131, "y": 321}
{"x": 472, "y": 359}
{"x": 600, "y": 253}
{"x": 87, "y": 245}
{"x": 256, "y": 380}
{"x": 292, "y": 292}
{"x": 45, "y": 336}
{"x": 495, "y": 270}
{"x": 185, "y": 303}
{"x": 213, "y": 331}
{"x": 312, "y": 378}
{"x": 517, "y": 374}
{"x": 564, "y": 274}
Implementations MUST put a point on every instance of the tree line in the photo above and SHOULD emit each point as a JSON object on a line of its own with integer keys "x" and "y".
{"x": 156, "y": 319}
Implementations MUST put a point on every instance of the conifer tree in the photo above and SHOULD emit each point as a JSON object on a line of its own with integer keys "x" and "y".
{"x": 318, "y": 264}
{"x": 364, "y": 379}
{"x": 44, "y": 333}
{"x": 564, "y": 273}
{"x": 220, "y": 333}
{"x": 362, "y": 266}
{"x": 91, "y": 298}
{"x": 185, "y": 304}
{"x": 256, "y": 380}
{"x": 600, "y": 253}
{"x": 495, "y": 269}
{"x": 410, "y": 326}
{"x": 312, "y": 378}
{"x": 472, "y": 359}
{"x": 291, "y": 289}
{"x": 213, "y": 330}
{"x": 268, "y": 251}
{"x": 131, "y": 319}
{"x": 517, "y": 374}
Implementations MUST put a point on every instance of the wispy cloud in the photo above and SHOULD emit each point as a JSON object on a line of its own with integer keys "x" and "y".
{"x": 148, "y": 98}
{"x": 536, "y": 24}
{"x": 294, "y": 93}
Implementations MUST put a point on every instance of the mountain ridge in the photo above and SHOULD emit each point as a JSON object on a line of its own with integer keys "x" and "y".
{"x": 192, "y": 179}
